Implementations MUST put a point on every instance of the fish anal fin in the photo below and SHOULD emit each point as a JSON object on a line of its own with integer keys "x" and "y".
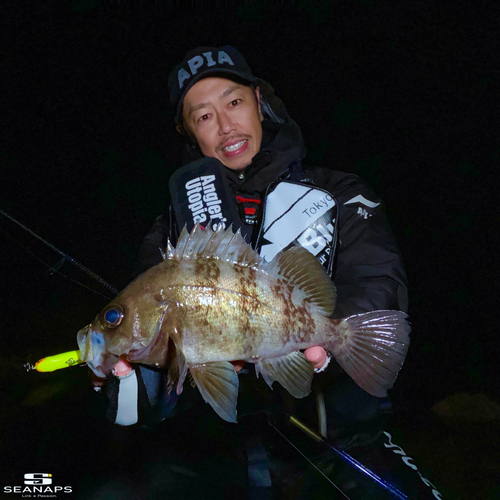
{"x": 218, "y": 385}
{"x": 300, "y": 268}
{"x": 293, "y": 371}
{"x": 374, "y": 349}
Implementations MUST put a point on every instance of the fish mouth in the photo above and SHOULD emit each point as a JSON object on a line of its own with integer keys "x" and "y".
{"x": 93, "y": 352}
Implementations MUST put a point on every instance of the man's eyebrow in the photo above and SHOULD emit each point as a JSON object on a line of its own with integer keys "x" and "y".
{"x": 198, "y": 106}
{"x": 232, "y": 88}
{"x": 226, "y": 92}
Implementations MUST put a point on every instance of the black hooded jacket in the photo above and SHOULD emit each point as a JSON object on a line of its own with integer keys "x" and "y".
{"x": 369, "y": 272}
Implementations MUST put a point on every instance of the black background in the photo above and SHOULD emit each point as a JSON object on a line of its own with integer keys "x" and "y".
{"x": 405, "y": 94}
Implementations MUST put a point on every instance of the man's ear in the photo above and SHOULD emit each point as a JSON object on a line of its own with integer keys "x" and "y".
{"x": 185, "y": 131}
{"x": 257, "y": 97}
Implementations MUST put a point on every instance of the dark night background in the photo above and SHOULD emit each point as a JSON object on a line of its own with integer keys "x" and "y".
{"x": 405, "y": 94}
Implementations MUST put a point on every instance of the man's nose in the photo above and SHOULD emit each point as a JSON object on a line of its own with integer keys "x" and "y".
{"x": 226, "y": 124}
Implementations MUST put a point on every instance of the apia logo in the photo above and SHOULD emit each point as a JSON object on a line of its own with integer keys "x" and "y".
{"x": 37, "y": 478}
{"x": 197, "y": 62}
{"x": 39, "y": 483}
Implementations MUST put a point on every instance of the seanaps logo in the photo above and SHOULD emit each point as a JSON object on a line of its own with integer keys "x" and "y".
{"x": 38, "y": 485}
{"x": 37, "y": 478}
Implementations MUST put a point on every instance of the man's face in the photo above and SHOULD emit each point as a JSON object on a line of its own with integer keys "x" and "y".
{"x": 225, "y": 119}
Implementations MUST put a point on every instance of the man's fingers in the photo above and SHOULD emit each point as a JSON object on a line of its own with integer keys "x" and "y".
{"x": 122, "y": 368}
{"x": 97, "y": 381}
{"x": 238, "y": 365}
{"x": 316, "y": 355}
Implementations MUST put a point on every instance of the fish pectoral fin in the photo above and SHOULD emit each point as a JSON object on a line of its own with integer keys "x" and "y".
{"x": 177, "y": 367}
{"x": 293, "y": 371}
{"x": 218, "y": 385}
{"x": 171, "y": 329}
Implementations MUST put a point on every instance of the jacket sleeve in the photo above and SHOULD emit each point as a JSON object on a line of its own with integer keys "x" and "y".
{"x": 369, "y": 270}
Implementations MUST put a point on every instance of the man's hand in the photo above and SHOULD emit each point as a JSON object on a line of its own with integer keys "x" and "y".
{"x": 316, "y": 355}
{"x": 238, "y": 365}
{"x": 122, "y": 368}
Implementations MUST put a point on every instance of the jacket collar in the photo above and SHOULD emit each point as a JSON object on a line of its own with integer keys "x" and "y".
{"x": 281, "y": 145}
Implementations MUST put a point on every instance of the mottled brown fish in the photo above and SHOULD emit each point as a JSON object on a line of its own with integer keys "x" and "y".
{"x": 213, "y": 300}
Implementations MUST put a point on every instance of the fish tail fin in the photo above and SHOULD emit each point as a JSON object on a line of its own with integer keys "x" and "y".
{"x": 373, "y": 350}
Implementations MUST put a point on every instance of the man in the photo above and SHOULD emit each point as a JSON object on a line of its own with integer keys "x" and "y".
{"x": 244, "y": 167}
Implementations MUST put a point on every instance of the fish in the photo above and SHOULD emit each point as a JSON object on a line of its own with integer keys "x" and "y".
{"x": 213, "y": 299}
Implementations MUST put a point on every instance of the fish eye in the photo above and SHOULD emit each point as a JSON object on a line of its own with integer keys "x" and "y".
{"x": 113, "y": 315}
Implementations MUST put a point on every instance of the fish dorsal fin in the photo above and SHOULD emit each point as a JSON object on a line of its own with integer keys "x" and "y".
{"x": 300, "y": 268}
{"x": 219, "y": 244}
{"x": 181, "y": 243}
{"x": 170, "y": 250}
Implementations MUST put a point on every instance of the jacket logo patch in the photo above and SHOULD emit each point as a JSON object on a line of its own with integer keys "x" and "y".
{"x": 362, "y": 201}
{"x": 204, "y": 202}
{"x": 318, "y": 240}
{"x": 301, "y": 214}
{"x": 366, "y": 204}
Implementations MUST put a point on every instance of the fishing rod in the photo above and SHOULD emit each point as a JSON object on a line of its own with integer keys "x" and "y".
{"x": 395, "y": 492}
{"x": 70, "y": 358}
{"x": 65, "y": 257}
